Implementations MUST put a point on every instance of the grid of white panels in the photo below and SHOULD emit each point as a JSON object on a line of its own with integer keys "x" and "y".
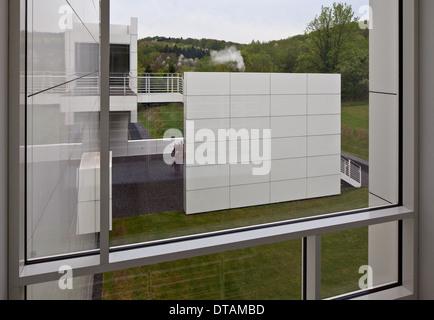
{"x": 303, "y": 112}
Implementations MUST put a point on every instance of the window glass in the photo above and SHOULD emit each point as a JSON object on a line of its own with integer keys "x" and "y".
{"x": 233, "y": 129}
{"x": 345, "y": 262}
{"x": 245, "y": 274}
{"x": 62, "y": 127}
{"x": 360, "y": 259}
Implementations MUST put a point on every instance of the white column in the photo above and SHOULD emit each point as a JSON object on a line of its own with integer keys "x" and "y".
{"x": 312, "y": 268}
{"x": 426, "y": 134}
{"x": 384, "y": 136}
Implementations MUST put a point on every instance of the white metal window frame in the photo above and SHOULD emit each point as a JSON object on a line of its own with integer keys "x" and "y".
{"x": 21, "y": 275}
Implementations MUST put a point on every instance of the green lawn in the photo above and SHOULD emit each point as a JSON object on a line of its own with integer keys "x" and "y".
{"x": 242, "y": 274}
{"x": 355, "y": 131}
{"x": 245, "y": 274}
{"x": 267, "y": 272}
{"x": 165, "y": 225}
{"x": 159, "y": 119}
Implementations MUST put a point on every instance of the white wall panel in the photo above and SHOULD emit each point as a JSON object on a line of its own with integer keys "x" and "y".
{"x": 288, "y": 126}
{"x": 323, "y": 145}
{"x": 286, "y": 148}
{"x": 207, "y": 84}
{"x": 383, "y": 146}
{"x": 250, "y": 84}
{"x": 324, "y": 104}
{"x": 284, "y": 83}
{"x": 288, "y": 105}
{"x": 250, "y": 195}
{"x": 323, "y": 186}
{"x": 207, "y": 177}
{"x": 288, "y": 169}
{"x": 303, "y": 113}
{"x": 250, "y": 106}
{"x": 323, "y": 166}
{"x": 207, "y": 107}
{"x": 250, "y": 124}
{"x": 209, "y": 124}
{"x": 241, "y": 174}
{"x": 289, "y": 190}
{"x": 324, "y": 84}
{"x": 383, "y": 47}
{"x": 324, "y": 124}
{"x": 206, "y": 200}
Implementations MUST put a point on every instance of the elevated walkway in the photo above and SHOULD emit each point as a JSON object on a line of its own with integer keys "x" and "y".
{"x": 154, "y": 87}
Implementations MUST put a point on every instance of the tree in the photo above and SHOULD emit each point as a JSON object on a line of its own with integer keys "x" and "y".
{"x": 329, "y": 35}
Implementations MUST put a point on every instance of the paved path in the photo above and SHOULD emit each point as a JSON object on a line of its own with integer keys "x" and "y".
{"x": 144, "y": 185}
{"x": 365, "y": 168}
{"x": 137, "y": 131}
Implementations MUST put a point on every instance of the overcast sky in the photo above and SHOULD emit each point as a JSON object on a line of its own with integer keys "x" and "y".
{"x": 231, "y": 20}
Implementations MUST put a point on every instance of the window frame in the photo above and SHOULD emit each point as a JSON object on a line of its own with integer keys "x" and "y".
{"x": 106, "y": 259}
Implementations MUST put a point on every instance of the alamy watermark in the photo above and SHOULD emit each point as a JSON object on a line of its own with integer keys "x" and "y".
{"x": 219, "y": 147}
{"x": 66, "y": 281}
{"x": 367, "y": 280}
{"x": 66, "y": 17}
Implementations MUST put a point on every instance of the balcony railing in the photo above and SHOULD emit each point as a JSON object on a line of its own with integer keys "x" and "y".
{"x": 151, "y": 83}
{"x": 120, "y": 84}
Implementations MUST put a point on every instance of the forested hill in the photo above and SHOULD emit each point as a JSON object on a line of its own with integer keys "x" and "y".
{"x": 210, "y": 44}
{"x": 325, "y": 47}
{"x": 164, "y": 54}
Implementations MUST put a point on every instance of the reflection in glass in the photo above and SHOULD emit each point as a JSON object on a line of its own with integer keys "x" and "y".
{"x": 62, "y": 131}
{"x": 319, "y": 139}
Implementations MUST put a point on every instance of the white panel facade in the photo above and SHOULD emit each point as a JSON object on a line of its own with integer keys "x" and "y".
{"x": 288, "y": 131}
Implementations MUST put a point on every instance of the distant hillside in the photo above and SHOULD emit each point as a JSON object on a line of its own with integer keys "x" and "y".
{"x": 296, "y": 54}
{"x": 163, "y": 54}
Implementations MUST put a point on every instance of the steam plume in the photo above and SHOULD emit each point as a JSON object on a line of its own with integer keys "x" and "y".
{"x": 228, "y": 55}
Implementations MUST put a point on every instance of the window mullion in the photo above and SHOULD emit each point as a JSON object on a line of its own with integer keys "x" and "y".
{"x": 312, "y": 268}
{"x": 104, "y": 129}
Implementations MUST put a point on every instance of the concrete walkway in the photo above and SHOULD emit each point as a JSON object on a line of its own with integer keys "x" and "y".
{"x": 145, "y": 185}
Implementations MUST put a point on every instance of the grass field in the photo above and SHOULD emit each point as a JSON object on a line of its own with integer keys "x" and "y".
{"x": 159, "y": 119}
{"x": 165, "y": 225}
{"x": 355, "y": 131}
{"x": 266, "y": 272}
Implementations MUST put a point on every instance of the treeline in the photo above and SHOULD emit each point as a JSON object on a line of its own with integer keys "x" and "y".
{"x": 210, "y": 44}
{"x": 333, "y": 43}
{"x": 189, "y": 53}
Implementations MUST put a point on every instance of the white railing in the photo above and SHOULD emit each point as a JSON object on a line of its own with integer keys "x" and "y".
{"x": 40, "y": 81}
{"x": 351, "y": 172}
{"x": 150, "y": 83}
{"x": 120, "y": 84}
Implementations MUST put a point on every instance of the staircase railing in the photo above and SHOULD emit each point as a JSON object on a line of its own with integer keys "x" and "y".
{"x": 351, "y": 172}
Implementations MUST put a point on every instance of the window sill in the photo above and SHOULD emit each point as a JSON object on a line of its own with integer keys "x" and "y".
{"x": 209, "y": 243}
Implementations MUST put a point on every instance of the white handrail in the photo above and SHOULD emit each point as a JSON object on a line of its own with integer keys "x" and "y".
{"x": 351, "y": 172}
{"x": 144, "y": 83}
